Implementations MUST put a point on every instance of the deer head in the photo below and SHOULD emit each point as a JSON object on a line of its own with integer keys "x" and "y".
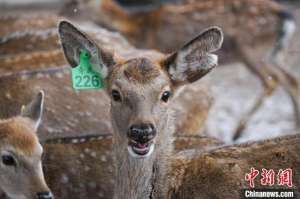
{"x": 21, "y": 174}
{"x": 141, "y": 88}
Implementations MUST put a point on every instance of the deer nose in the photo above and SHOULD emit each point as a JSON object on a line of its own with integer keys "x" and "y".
{"x": 142, "y": 133}
{"x": 44, "y": 195}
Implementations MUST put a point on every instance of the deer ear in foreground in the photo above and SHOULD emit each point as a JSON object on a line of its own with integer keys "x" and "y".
{"x": 21, "y": 173}
{"x": 34, "y": 110}
{"x": 73, "y": 41}
{"x": 195, "y": 59}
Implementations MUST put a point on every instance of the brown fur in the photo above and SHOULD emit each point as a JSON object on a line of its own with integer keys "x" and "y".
{"x": 33, "y": 22}
{"x": 140, "y": 70}
{"x": 20, "y": 134}
{"x": 196, "y": 102}
{"x": 90, "y": 172}
{"x": 224, "y": 168}
{"x": 195, "y": 142}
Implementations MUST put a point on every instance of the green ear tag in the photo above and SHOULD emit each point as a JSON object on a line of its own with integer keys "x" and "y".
{"x": 83, "y": 75}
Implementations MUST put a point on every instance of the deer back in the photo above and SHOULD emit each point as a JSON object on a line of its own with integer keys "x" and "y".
{"x": 224, "y": 168}
{"x": 185, "y": 19}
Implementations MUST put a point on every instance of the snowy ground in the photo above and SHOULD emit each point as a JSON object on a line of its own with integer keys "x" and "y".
{"x": 235, "y": 90}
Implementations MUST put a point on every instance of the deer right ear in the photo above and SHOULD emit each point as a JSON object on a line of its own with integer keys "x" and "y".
{"x": 195, "y": 59}
{"x": 73, "y": 41}
{"x": 34, "y": 109}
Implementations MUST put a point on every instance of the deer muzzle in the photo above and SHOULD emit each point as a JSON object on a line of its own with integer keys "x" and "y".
{"x": 141, "y": 138}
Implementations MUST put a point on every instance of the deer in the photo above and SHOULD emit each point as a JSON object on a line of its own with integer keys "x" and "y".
{"x": 21, "y": 173}
{"x": 148, "y": 24}
{"x": 141, "y": 89}
{"x": 33, "y": 56}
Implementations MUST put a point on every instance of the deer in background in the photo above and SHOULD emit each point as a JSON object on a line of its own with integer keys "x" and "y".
{"x": 141, "y": 91}
{"x": 21, "y": 174}
{"x": 257, "y": 33}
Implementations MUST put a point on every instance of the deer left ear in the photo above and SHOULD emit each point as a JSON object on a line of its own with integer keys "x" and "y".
{"x": 195, "y": 59}
{"x": 34, "y": 109}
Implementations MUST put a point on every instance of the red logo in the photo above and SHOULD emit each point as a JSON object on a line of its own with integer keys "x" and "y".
{"x": 284, "y": 177}
{"x": 267, "y": 177}
{"x": 251, "y": 176}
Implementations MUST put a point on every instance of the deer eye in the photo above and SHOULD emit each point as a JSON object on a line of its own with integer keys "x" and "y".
{"x": 8, "y": 160}
{"x": 165, "y": 96}
{"x": 116, "y": 95}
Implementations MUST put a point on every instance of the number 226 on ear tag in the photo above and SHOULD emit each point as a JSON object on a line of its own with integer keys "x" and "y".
{"x": 83, "y": 75}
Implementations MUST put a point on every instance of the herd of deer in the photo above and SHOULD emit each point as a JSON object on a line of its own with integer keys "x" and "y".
{"x": 140, "y": 137}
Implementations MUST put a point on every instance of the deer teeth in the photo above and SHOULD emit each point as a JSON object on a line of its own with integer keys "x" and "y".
{"x": 134, "y": 152}
{"x": 140, "y": 149}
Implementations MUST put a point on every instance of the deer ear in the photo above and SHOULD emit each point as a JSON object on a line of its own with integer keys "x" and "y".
{"x": 34, "y": 109}
{"x": 195, "y": 59}
{"x": 73, "y": 41}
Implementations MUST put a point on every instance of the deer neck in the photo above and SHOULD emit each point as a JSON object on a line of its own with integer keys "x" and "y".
{"x": 146, "y": 177}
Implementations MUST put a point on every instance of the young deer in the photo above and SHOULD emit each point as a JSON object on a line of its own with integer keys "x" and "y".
{"x": 252, "y": 28}
{"x": 141, "y": 91}
{"x": 141, "y": 87}
{"x": 21, "y": 174}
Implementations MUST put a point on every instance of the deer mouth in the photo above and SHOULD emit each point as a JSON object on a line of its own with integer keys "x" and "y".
{"x": 140, "y": 150}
